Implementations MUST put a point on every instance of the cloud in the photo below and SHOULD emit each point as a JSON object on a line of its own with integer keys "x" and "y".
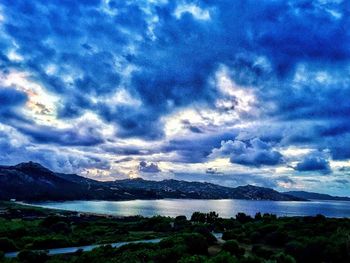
{"x": 137, "y": 64}
{"x": 80, "y": 135}
{"x": 10, "y": 102}
{"x": 314, "y": 162}
{"x": 211, "y": 170}
{"x": 202, "y": 143}
{"x": 15, "y": 149}
{"x": 251, "y": 153}
{"x": 148, "y": 168}
{"x": 158, "y": 40}
{"x": 122, "y": 160}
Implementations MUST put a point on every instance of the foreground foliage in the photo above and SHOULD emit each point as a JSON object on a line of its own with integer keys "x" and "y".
{"x": 264, "y": 238}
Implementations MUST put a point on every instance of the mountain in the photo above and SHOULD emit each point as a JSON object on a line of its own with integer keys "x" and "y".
{"x": 33, "y": 182}
{"x": 197, "y": 190}
{"x": 316, "y": 196}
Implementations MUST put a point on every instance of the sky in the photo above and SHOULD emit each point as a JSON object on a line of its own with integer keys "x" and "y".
{"x": 229, "y": 92}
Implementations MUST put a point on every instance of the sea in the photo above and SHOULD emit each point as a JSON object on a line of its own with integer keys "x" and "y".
{"x": 226, "y": 208}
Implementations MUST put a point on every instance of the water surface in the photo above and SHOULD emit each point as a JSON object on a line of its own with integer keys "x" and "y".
{"x": 226, "y": 208}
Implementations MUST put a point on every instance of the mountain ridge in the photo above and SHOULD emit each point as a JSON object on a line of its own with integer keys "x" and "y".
{"x": 34, "y": 182}
{"x": 316, "y": 196}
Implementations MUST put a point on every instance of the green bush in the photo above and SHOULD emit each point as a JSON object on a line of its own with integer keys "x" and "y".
{"x": 204, "y": 231}
{"x": 294, "y": 248}
{"x": 223, "y": 257}
{"x": 7, "y": 244}
{"x": 193, "y": 259}
{"x": 251, "y": 259}
{"x": 51, "y": 220}
{"x": 236, "y": 234}
{"x": 276, "y": 238}
{"x": 27, "y": 256}
{"x": 61, "y": 227}
{"x": 171, "y": 254}
{"x": 255, "y": 237}
{"x": 196, "y": 244}
{"x": 260, "y": 251}
{"x": 243, "y": 218}
{"x": 233, "y": 248}
{"x": 283, "y": 258}
{"x": 50, "y": 242}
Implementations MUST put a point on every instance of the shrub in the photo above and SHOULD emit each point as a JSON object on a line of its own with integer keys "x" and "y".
{"x": 171, "y": 254}
{"x": 211, "y": 217}
{"x": 193, "y": 259}
{"x": 262, "y": 252}
{"x": 258, "y": 216}
{"x": 276, "y": 238}
{"x": 236, "y": 234}
{"x": 223, "y": 257}
{"x": 50, "y": 220}
{"x": 283, "y": 258}
{"x": 61, "y": 227}
{"x": 7, "y": 245}
{"x": 255, "y": 237}
{"x": 198, "y": 217}
{"x": 233, "y": 248}
{"x": 251, "y": 259}
{"x": 204, "y": 231}
{"x": 180, "y": 219}
{"x": 27, "y": 256}
{"x": 243, "y": 218}
{"x": 162, "y": 227}
{"x": 196, "y": 244}
{"x": 49, "y": 242}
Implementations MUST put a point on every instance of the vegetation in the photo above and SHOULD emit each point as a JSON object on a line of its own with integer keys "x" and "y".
{"x": 264, "y": 238}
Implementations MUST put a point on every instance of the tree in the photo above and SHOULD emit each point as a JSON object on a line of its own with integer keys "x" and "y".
{"x": 243, "y": 218}
{"x": 211, "y": 217}
{"x": 198, "y": 217}
{"x": 258, "y": 216}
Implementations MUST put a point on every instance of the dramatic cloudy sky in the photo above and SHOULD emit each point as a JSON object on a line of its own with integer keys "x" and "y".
{"x": 231, "y": 92}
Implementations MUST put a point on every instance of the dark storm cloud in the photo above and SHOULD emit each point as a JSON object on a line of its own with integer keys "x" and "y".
{"x": 254, "y": 152}
{"x": 196, "y": 149}
{"x": 122, "y": 160}
{"x": 10, "y": 101}
{"x": 174, "y": 56}
{"x": 84, "y": 135}
{"x": 314, "y": 162}
{"x": 148, "y": 168}
{"x": 212, "y": 170}
{"x": 339, "y": 146}
{"x": 53, "y": 158}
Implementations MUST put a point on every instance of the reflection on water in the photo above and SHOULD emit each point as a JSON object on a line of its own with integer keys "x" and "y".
{"x": 225, "y": 208}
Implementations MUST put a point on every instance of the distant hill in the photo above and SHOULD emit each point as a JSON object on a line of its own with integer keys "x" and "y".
{"x": 198, "y": 190}
{"x": 33, "y": 182}
{"x": 316, "y": 196}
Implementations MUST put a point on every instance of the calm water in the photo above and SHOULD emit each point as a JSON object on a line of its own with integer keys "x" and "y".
{"x": 225, "y": 208}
